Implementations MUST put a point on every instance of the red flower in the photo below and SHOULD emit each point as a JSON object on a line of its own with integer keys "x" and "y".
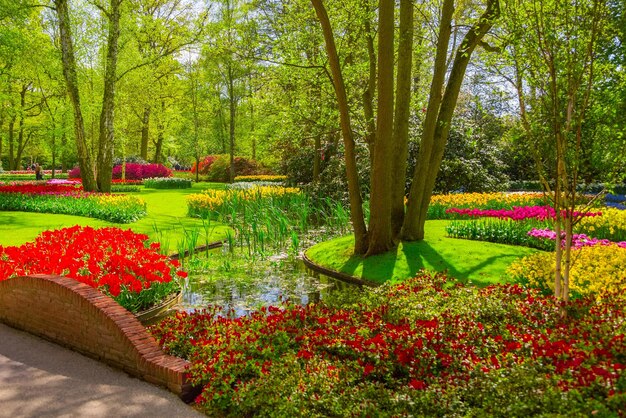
{"x": 417, "y": 384}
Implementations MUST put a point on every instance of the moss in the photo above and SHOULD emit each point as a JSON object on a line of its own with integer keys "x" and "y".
{"x": 479, "y": 262}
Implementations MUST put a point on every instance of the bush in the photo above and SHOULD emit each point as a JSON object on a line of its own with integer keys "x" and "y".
{"x": 167, "y": 183}
{"x": 205, "y": 164}
{"x": 220, "y": 168}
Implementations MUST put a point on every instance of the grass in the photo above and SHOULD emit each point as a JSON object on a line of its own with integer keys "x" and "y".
{"x": 166, "y": 222}
{"x": 481, "y": 263}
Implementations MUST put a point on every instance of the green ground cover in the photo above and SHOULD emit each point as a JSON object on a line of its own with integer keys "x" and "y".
{"x": 166, "y": 221}
{"x": 480, "y": 262}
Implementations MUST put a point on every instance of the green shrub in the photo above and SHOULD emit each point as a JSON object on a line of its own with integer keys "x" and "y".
{"x": 167, "y": 183}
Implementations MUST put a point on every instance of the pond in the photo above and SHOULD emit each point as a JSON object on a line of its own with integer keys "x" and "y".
{"x": 242, "y": 284}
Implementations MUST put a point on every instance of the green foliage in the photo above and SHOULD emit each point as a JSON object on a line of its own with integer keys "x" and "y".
{"x": 219, "y": 170}
{"x": 473, "y": 157}
{"x": 167, "y": 183}
{"x": 504, "y": 231}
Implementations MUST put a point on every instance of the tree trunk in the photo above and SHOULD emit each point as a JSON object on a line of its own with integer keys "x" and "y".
{"x": 437, "y": 123}
{"x": 316, "y": 158}
{"x": 232, "y": 106}
{"x": 370, "y": 91}
{"x": 145, "y": 132}
{"x": 401, "y": 116}
{"x": 11, "y": 138}
{"x": 413, "y": 227}
{"x": 158, "y": 144}
{"x": 21, "y": 143}
{"x": 356, "y": 202}
{"x": 380, "y": 234}
{"x": 107, "y": 129}
{"x": 69, "y": 73}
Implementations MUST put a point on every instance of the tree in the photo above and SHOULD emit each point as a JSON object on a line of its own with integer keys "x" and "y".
{"x": 391, "y": 132}
{"x": 554, "y": 56}
{"x": 70, "y": 74}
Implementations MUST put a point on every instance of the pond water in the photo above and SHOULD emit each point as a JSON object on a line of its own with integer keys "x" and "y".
{"x": 243, "y": 284}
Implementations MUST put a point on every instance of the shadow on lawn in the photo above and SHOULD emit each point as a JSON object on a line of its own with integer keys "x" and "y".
{"x": 421, "y": 255}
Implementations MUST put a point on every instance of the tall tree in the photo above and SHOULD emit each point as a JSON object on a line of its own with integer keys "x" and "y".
{"x": 392, "y": 132}
{"x": 69, "y": 72}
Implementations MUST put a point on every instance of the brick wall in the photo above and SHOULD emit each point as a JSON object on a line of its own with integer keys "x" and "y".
{"x": 80, "y": 317}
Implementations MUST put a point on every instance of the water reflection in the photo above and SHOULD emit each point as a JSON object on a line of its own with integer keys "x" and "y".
{"x": 242, "y": 284}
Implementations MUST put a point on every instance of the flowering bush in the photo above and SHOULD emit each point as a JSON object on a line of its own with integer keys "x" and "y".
{"x": 70, "y": 199}
{"x": 597, "y": 270}
{"x": 440, "y": 203}
{"x": 134, "y": 171}
{"x": 424, "y": 347}
{"x": 118, "y": 262}
{"x": 220, "y": 168}
{"x": 205, "y": 164}
{"x": 167, "y": 183}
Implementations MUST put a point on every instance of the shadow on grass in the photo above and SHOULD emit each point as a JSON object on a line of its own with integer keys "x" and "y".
{"x": 410, "y": 257}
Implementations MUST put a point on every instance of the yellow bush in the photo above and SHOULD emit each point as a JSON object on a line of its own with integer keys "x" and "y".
{"x": 598, "y": 269}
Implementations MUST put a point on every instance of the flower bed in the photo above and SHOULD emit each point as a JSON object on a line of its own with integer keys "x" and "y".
{"x": 596, "y": 270}
{"x": 29, "y": 175}
{"x": 134, "y": 171}
{"x": 611, "y": 225}
{"x": 578, "y": 240}
{"x": 70, "y": 199}
{"x": 167, "y": 183}
{"x": 118, "y": 262}
{"x": 517, "y": 213}
{"x": 439, "y": 204}
{"x": 212, "y": 201}
{"x": 424, "y": 348}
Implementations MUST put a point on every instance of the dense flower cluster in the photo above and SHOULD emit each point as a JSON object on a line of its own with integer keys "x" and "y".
{"x": 133, "y": 171}
{"x": 486, "y": 200}
{"x": 518, "y": 213}
{"x": 70, "y": 199}
{"x": 118, "y": 262}
{"x": 611, "y": 225}
{"x": 49, "y": 188}
{"x": 596, "y": 270}
{"x": 578, "y": 240}
{"x": 211, "y": 200}
{"x": 422, "y": 347}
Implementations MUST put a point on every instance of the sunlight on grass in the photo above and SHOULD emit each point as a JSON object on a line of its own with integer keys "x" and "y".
{"x": 480, "y": 262}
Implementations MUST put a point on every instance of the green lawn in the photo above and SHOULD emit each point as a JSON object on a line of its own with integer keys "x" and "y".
{"x": 166, "y": 221}
{"x": 480, "y": 262}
